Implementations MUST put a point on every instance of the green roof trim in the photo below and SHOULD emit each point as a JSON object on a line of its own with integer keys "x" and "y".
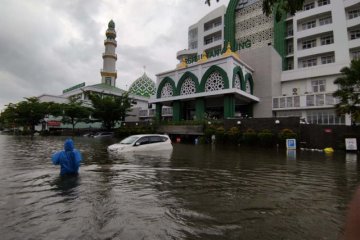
{"x": 229, "y": 29}
{"x": 143, "y": 86}
{"x": 103, "y": 86}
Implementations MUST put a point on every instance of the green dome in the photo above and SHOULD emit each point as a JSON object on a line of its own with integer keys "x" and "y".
{"x": 111, "y": 24}
{"x": 143, "y": 86}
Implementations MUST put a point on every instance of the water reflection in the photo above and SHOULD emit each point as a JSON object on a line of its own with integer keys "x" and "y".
{"x": 66, "y": 185}
{"x": 193, "y": 192}
{"x": 291, "y": 154}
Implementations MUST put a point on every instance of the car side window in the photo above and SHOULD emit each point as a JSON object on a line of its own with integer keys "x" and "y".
{"x": 163, "y": 139}
{"x": 143, "y": 141}
{"x": 155, "y": 139}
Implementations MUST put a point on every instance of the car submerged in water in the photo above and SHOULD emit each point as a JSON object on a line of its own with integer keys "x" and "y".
{"x": 142, "y": 143}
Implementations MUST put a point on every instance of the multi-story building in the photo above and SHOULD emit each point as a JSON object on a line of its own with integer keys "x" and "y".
{"x": 320, "y": 40}
{"x": 293, "y": 62}
{"x": 205, "y": 36}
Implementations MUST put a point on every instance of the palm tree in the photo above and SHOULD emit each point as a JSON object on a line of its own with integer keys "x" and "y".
{"x": 349, "y": 91}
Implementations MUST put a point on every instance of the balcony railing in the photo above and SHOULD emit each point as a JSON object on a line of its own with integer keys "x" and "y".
{"x": 147, "y": 113}
{"x": 304, "y": 101}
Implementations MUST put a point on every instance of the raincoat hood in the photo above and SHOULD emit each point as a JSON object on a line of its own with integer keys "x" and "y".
{"x": 69, "y": 145}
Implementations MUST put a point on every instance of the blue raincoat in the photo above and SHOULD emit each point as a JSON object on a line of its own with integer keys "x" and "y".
{"x": 69, "y": 159}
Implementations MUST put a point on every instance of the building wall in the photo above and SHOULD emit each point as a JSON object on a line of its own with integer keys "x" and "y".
{"x": 251, "y": 24}
{"x": 267, "y": 64}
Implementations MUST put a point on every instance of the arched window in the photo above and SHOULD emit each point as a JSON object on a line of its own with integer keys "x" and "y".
{"x": 214, "y": 82}
{"x": 188, "y": 84}
{"x": 215, "y": 78}
{"x": 166, "y": 88}
{"x": 188, "y": 87}
{"x": 167, "y": 91}
{"x": 249, "y": 84}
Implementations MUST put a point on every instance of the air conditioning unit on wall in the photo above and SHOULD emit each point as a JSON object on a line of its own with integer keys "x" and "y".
{"x": 295, "y": 91}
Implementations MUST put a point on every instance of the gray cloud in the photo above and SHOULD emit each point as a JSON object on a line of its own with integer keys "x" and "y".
{"x": 47, "y": 46}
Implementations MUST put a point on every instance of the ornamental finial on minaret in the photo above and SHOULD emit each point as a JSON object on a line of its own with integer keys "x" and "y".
{"x": 110, "y": 32}
{"x": 111, "y": 24}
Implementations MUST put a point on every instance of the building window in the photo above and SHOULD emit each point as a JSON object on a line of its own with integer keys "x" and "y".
{"x": 324, "y": 117}
{"x": 326, "y": 40}
{"x": 290, "y": 31}
{"x": 212, "y": 38}
{"x": 323, "y": 2}
{"x": 355, "y": 34}
{"x": 309, "y": 44}
{"x": 193, "y": 45}
{"x": 188, "y": 87}
{"x": 310, "y": 100}
{"x": 290, "y": 65}
{"x": 289, "y": 102}
{"x": 354, "y": 13}
{"x": 167, "y": 90}
{"x": 327, "y": 59}
{"x": 318, "y": 85}
{"x": 329, "y": 99}
{"x": 319, "y": 99}
{"x": 193, "y": 33}
{"x": 309, "y": 6}
{"x": 282, "y": 102}
{"x": 309, "y": 62}
{"x": 296, "y": 101}
{"x": 355, "y": 55}
{"x": 214, "y": 82}
{"x": 308, "y": 25}
{"x": 275, "y": 103}
{"x": 212, "y": 24}
{"x": 325, "y": 20}
{"x": 290, "y": 48}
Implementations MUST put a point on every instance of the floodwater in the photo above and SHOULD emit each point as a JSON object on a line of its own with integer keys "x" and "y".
{"x": 195, "y": 192}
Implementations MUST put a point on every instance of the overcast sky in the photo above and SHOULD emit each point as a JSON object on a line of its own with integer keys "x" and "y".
{"x": 49, "y": 45}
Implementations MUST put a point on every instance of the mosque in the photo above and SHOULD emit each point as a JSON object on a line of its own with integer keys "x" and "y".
{"x": 139, "y": 92}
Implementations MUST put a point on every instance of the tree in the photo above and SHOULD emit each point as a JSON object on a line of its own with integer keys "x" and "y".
{"x": 279, "y": 7}
{"x": 27, "y": 113}
{"x": 110, "y": 109}
{"x": 349, "y": 91}
{"x": 74, "y": 112}
{"x": 208, "y": 2}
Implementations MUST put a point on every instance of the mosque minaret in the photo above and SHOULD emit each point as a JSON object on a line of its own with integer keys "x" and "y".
{"x": 108, "y": 73}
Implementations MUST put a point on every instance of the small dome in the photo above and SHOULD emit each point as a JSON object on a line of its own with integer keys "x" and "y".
{"x": 143, "y": 86}
{"x": 111, "y": 24}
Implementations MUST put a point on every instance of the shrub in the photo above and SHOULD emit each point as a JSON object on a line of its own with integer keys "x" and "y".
{"x": 234, "y": 135}
{"x": 220, "y": 134}
{"x": 250, "y": 136}
{"x": 266, "y": 138}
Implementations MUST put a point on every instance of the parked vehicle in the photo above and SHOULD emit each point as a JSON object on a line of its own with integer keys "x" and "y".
{"x": 140, "y": 143}
{"x": 103, "y": 134}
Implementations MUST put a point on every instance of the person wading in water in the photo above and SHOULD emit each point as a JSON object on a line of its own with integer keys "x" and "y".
{"x": 69, "y": 159}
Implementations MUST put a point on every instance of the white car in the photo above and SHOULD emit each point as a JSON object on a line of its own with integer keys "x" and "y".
{"x": 141, "y": 143}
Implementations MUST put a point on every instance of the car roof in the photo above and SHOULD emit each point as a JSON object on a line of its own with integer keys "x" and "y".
{"x": 149, "y": 135}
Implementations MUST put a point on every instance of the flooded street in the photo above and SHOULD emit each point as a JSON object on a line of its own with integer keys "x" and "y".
{"x": 196, "y": 192}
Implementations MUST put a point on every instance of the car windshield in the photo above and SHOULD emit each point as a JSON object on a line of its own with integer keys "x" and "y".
{"x": 129, "y": 140}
